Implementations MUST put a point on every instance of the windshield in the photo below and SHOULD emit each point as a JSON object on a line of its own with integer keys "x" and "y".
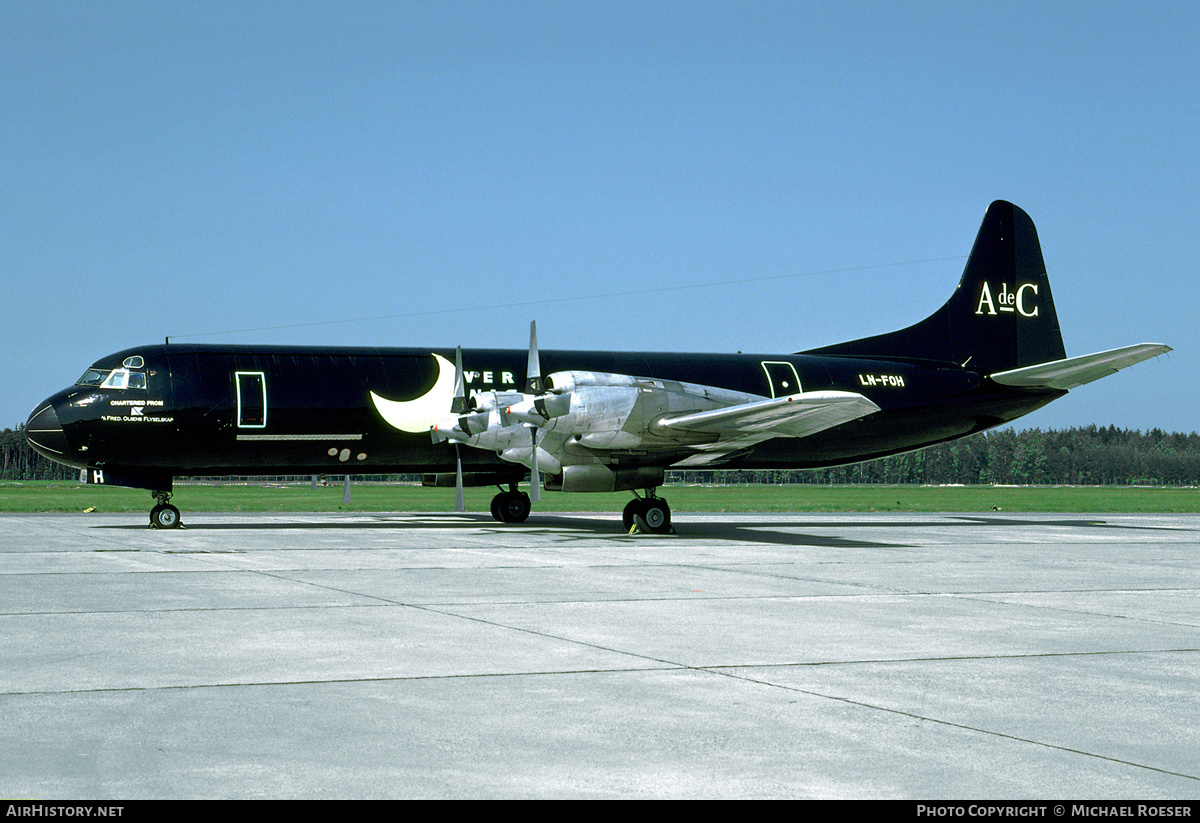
{"x": 93, "y": 377}
{"x": 113, "y": 378}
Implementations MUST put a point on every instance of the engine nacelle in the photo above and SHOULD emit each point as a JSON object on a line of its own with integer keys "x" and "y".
{"x": 540, "y": 409}
{"x": 481, "y": 401}
{"x": 618, "y": 411}
{"x": 599, "y": 402}
{"x": 562, "y": 382}
{"x": 547, "y": 462}
{"x": 485, "y": 426}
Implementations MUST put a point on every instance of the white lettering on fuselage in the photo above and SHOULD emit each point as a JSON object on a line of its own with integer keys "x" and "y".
{"x": 135, "y": 416}
{"x": 894, "y": 381}
{"x": 489, "y": 378}
{"x": 135, "y": 412}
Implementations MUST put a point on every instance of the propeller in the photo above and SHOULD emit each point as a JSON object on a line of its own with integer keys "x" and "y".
{"x": 533, "y": 410}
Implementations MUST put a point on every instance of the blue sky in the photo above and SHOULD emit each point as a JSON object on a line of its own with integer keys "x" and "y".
{"x": 677, "y": 176}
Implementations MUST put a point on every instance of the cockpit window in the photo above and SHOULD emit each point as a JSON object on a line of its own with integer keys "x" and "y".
{"x": 113, "y": 378}
{"x": 125, "y": 379}
{"x": 92, "y": 377}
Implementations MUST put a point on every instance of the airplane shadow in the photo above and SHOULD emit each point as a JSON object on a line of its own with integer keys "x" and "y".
{"x": 561, "y": 528}
{"x": 693, "y": 528}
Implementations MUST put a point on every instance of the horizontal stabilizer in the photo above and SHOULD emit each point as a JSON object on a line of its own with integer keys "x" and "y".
{"x": 797, "y": 415}
{"x": 1075, "y": 371}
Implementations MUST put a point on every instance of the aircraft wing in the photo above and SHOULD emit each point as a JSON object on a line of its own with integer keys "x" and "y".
{"x": 1076, "y": 371}
{"x": 741, "y": 426}
{"x": 797, "y": 415}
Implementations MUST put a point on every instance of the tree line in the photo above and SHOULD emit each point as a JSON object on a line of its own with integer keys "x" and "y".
{"x": 1089, "y": 455}
{"x": 1085, "y": 456}
{"x": 19, "y": 462}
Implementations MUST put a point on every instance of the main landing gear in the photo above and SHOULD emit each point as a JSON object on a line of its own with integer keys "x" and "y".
{"x": 647, "y": 514}
{"x": 511, "y": 506}
{"x": 164, "y": 515}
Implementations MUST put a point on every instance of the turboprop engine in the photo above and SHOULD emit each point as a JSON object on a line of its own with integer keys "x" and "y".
{"x": 489, "y": 424}
{"x": 580, "y": 427}
{"x": 482, "y": 424}
{"x": 586, "y": 409}
{"x": 581, "y": 414}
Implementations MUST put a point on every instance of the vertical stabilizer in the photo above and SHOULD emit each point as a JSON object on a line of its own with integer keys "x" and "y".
{"x": 1000, "y": 317}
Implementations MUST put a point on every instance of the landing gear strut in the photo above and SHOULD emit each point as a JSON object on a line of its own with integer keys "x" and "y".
{"x": 164, "y": 515}
{"x": 647, "y": 514}
{"x": 511, "y": 506}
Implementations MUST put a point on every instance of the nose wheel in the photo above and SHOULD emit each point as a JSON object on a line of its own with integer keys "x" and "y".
{"x": 164, "y": 515}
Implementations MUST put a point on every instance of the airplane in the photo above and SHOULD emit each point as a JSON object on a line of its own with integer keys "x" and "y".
{"x": 577, "y": 421}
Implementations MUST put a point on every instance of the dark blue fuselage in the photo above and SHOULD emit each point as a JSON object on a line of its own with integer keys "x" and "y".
{"x": 205, "y": 410}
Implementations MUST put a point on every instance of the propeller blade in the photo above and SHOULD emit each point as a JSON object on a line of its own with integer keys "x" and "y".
{"x": 459, "y": 504}
{"x": 459, "y": 404}
{"x": 533, "y": 374}
{"x": 534, "y": 385}
{"x": 535, "y": 477}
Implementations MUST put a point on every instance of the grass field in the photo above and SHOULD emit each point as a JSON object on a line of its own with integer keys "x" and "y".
{"x": 74, "y": 497}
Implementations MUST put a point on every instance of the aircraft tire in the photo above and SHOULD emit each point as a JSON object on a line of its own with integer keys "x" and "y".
{"x": 657, "y": 515}
{"x": 164, "y": 517}
{"x": 651, "y": 514}
{"x": 513, "y": 507}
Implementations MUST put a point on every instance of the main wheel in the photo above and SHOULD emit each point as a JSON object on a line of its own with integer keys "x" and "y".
{"x": 164, "y": 516}
{"x": 657, "y": 515}
{"x": 652, "y": 513}
{"x": 511, "y": 507}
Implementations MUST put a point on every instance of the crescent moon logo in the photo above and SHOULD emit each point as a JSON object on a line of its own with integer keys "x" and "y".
{"x": 418, "y": 415}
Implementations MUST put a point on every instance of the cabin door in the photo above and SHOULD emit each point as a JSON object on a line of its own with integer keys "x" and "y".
{"x": 251, "y": 399}
{"x": 782, "y": 378}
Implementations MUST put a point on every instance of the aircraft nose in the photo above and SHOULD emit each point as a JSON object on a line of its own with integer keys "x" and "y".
{"x": 45, "y": 434}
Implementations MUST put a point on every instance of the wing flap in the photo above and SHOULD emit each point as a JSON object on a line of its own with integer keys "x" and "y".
{"x": 1076, "y": 371}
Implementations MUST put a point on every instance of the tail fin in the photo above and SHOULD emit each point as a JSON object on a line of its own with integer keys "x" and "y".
{"x": 1001, "y": 316}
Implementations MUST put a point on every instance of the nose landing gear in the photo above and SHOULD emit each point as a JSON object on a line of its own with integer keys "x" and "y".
{"x": 164, "y": 515}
